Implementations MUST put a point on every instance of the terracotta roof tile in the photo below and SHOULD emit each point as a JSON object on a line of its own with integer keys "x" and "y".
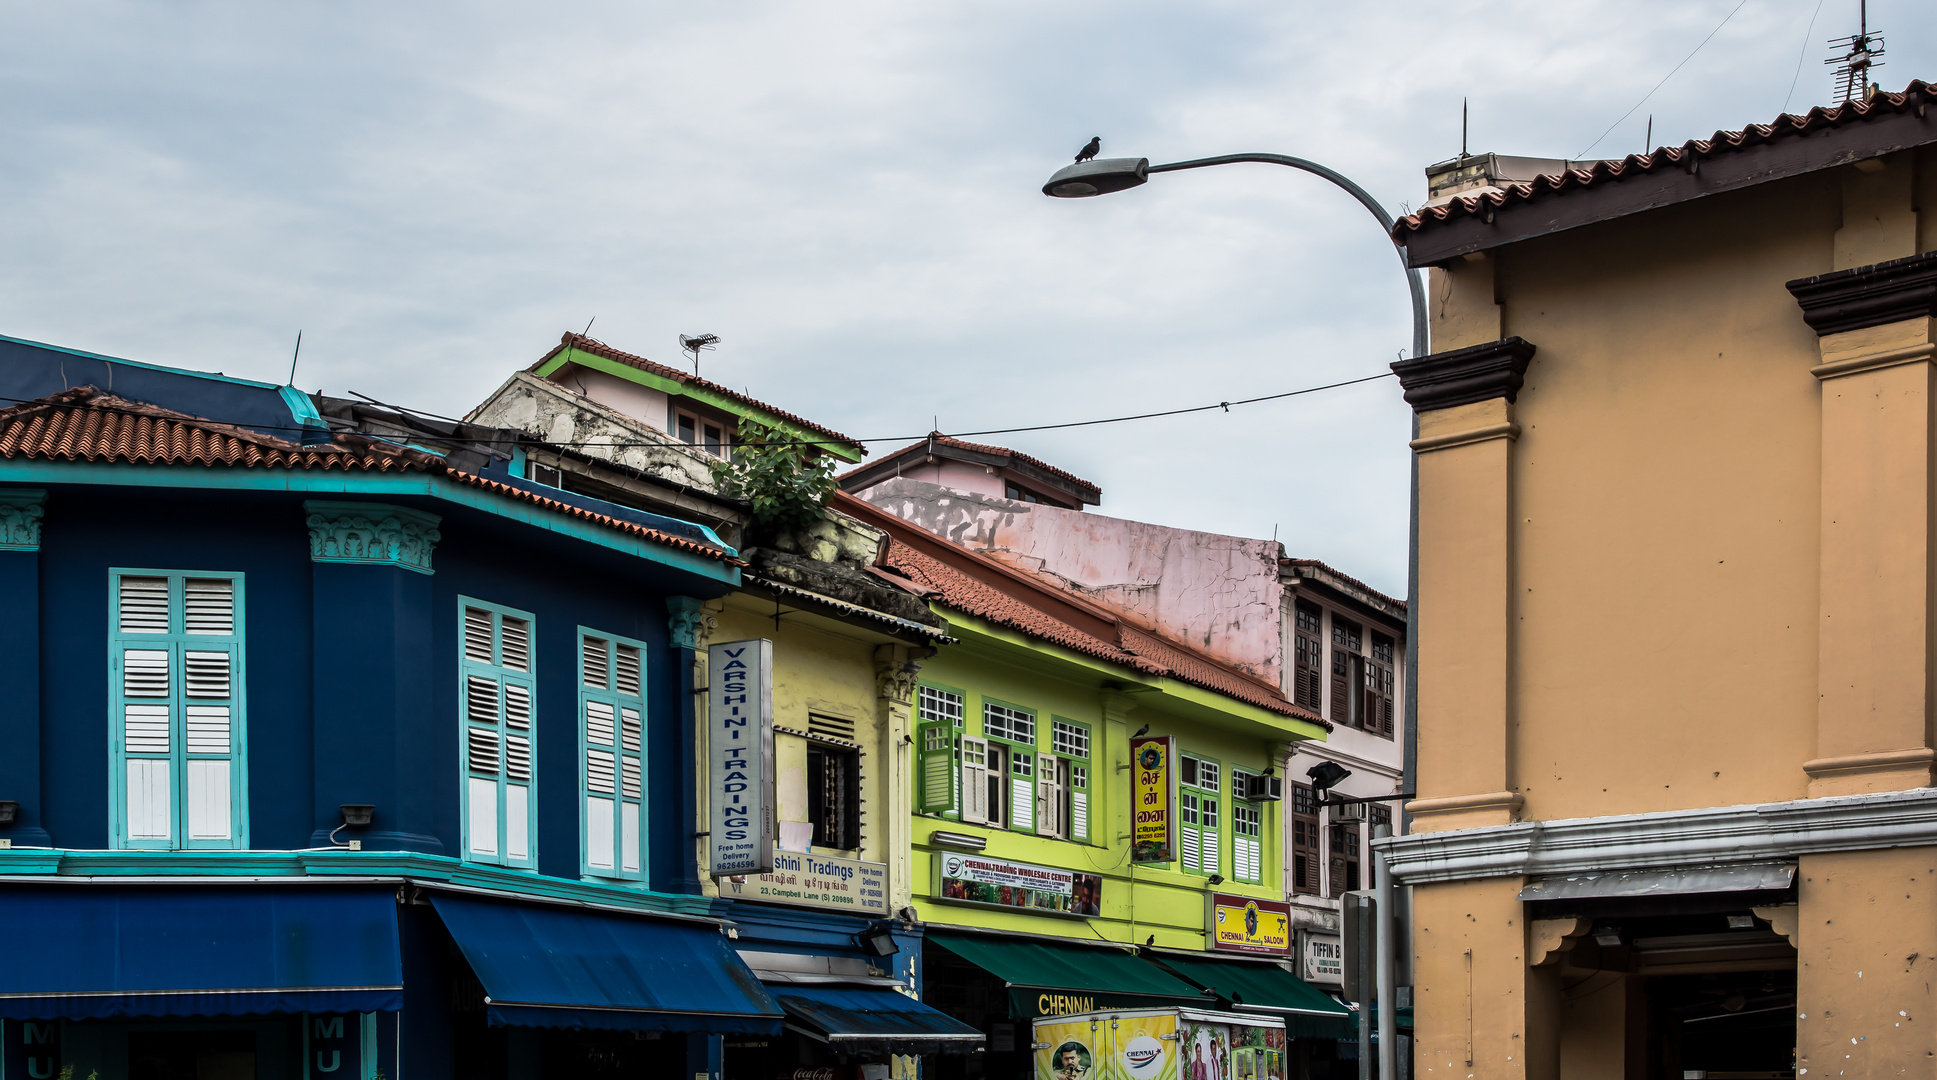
{"x": 977, "y": 585}
{"x": 600, "y": 348}
{"x": 87, "y": 425}
{"x": 1913, "y": 98}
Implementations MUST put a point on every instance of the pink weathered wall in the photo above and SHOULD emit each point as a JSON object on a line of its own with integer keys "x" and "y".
{"x": 1219, "y": 593}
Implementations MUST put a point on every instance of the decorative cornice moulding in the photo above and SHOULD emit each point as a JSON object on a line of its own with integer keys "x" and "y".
{"x": 21, "y": 512}
{"x": 1867, "y": 296}
{"x": 1495, "y": 369}
{"x": 1717, "y": 836}
{"x": 371, "y": 533}
{"x": 689, "y": 623}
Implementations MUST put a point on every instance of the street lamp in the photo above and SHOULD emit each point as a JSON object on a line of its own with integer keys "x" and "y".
{"x": 1102, "y": 176}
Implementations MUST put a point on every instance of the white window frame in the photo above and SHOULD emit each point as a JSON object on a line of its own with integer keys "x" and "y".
{"x": 512, "y": 828}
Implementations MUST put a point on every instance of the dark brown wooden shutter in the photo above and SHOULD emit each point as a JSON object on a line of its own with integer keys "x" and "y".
{"x": 1304, "y": 840}
{"x": 1347, "y": 705}
{"x": 1378, "y": 687}
{"x": 1308, "y": 650}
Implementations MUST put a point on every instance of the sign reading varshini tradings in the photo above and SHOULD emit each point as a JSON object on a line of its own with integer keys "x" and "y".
{"x": 739, "y": 718}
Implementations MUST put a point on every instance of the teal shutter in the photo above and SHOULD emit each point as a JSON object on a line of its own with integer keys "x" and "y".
{"x": 612, "y": 736}
{"x": 496, "y": 689}
{"x": 177, "y": 710}
{"x": 935, "y": 768}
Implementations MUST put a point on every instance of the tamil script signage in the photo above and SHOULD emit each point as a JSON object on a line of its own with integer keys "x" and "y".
{"x": 816, "y": 881}
{"x": 1050, "y": 890}
{"x": 1153, "y": 799}
{"x": 1321, "y": 958}
{"x": 1241, "y": 924}
{"x": 739, "y": 718}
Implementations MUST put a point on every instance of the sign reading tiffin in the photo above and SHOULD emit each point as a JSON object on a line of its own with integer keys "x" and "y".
{"x": 1242, "y": 924}
{"x": 1153, "y": 799}
{"x": 739, "y": 717}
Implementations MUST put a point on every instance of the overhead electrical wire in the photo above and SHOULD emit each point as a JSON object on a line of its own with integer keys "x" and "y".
{"x": 1224, "y": 406}
{"x": 1664, "y": 81}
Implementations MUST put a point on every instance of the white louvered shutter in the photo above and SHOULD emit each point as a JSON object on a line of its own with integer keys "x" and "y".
{"x": 498, "y": 736}
{"x": 1051, "y": 786}
{"x": 1187, "y": 830}
{"x": 1079, "y": 802}
{"x": 975, "y": 779}
{"x": 176, "y": 661}
{"x": 1022, "y": 790}
{"x": 612, "y": 709}
{"x": 1207, "y": 836}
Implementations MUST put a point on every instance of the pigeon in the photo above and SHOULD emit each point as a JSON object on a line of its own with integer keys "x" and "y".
{"x": 1089, "y": 151}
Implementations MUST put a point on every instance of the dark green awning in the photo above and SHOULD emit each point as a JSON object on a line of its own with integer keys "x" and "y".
{"x": 1045, "y": 979}
{"x": 1253, "y": 986}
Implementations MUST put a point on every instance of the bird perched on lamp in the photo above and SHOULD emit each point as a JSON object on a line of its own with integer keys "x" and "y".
{"x": 1090, "y": 149}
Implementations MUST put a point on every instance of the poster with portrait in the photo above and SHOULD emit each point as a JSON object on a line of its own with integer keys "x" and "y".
{"x": 1153, "y": 800}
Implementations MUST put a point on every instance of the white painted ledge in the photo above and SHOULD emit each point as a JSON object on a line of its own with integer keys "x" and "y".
{"x": 1714, "y": 836}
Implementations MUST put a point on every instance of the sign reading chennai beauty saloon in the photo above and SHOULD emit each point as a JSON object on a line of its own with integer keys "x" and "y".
{"x": 1242, "y": 924}
{"x": 739, "y": 717}
{"x": 973, "y": 879}
{"x": 1152, "y": 799}
{"x": 816, "y": 881}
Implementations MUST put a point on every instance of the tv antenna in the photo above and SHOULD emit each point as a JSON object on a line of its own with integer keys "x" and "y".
{"x": 696, "y": 344}
{"x": 1860, "y": 52}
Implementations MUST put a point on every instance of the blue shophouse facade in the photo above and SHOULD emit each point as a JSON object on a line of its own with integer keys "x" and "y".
{"x": 324, "y": 756}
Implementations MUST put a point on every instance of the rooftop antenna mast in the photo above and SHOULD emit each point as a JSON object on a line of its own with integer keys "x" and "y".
{"x": 696, "y": 344}
{"x": 1860, "y": 52}
{"x": 1462, "y": 128}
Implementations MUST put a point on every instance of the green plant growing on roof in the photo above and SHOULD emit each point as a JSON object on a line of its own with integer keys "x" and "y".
{"x": 786, "y": 481}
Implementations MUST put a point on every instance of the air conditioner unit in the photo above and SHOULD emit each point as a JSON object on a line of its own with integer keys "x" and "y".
{"x": 1264, "y": 788}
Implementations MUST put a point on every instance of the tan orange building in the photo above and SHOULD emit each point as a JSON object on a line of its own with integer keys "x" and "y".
{"x": 1677, "y": 618}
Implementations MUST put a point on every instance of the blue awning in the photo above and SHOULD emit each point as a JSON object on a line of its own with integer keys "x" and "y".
{"x": 874, "y": 1020}
{"x": 554, "y": 967}
{"x": 95, "y": 952}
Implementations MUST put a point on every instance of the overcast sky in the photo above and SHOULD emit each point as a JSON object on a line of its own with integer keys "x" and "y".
{"x": 849, "y": 195}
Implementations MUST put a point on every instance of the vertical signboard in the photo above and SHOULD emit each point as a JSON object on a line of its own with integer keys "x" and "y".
{"x": 739, "y": 717}
{"x": 1153, "y": 799}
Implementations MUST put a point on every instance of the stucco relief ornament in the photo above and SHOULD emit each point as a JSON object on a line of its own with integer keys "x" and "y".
{"x": 20, "y": 517}
{"x": 371, "y": 533}
{"x": 896, "y": 681}
{"x": 689, "y": 623}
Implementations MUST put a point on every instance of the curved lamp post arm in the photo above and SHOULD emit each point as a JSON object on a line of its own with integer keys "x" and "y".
{"x": 1413, "y": 282}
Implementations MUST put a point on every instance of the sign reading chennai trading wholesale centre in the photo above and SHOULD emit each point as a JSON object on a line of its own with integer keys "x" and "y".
{"x": 739, "y": 717}
{"x": 1242, "y": 924}
{"x": 1152, "y": 799}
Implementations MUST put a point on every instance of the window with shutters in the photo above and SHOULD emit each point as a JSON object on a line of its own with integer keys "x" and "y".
{"x": 1308, "y": 650}
{"x": 1247, "y": 841}
{"x": 1380, "y": 815}
{"x": 940, "y": 716}
{"x": 1345, "y": 842}
{"x": 1304, "y": 840}
{"x": 1348, "y": 674}
{"x": 175, "y": 662}
{"x": 834, "y": 805}
{"x": 1010, "y": 730}
{"x": 612, "y": 747}
{"x": 1378, "y": 687}
{"x": 985, "y": 770}
{"x": 1070, "y": 742}
{"x": 1198, "y": 815}
{"x": 495, "y": 665}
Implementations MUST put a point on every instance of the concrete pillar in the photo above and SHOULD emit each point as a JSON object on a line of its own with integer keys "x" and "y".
{"x": 896, "y": 668}
{"x": 1874, "y": 633}
{"x": 372, "y": 608}
{"x": 1480, "y": 1008}
{"x": 1866, "y": 943}
{"x": 21, "y": 513}
{"x": 679, "y": 852}
{"x": 1465, "y": 455}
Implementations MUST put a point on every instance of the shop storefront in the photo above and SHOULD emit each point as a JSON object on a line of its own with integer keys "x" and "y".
{"x": 305, "y": 981}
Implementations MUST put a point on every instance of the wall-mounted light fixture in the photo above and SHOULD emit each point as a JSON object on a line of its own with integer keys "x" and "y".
{"x": 965, "y": 841}
{"x": 9, "y": 811}
{"x": 1607, "y": 937}
{"x": 355, "y": 815}
{"x": 877, "y": 941}
{"x": 1215, "y": 879}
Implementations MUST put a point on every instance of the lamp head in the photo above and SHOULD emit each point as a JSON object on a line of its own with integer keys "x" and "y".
{"x": 1326, "y": 774}
{"x": 1099, "y": 177}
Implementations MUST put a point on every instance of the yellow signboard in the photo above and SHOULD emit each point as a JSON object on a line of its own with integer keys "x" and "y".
{"x": 1241, "y": 924}
{"x": 1153, "y": 799}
